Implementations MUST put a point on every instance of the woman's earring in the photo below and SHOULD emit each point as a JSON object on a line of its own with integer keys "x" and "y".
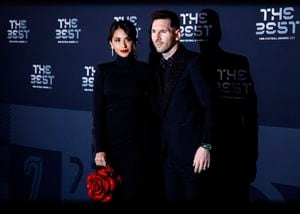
{"x": 112, "y": 52}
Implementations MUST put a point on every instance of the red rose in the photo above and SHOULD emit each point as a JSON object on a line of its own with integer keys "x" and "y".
{"x": 101, "y": 184}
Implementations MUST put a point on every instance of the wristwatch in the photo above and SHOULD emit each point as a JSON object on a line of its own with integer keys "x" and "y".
{"x": 206, "y": 146}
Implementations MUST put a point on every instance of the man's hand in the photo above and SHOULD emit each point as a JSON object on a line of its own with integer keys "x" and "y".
{"x": 201, "y": 160}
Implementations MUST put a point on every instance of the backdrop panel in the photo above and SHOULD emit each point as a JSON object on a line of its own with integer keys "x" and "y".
{"x": 48, "y": 57}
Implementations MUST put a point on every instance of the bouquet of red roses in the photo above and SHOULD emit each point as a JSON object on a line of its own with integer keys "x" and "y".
{"x": 102, "y": 183}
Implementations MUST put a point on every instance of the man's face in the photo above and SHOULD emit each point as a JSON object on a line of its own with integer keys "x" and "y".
{"x": 163, "y": 36}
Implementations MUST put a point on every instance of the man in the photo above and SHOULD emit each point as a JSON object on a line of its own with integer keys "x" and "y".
{"x": 236, "y": 147}
{"x": 186, "y": 110}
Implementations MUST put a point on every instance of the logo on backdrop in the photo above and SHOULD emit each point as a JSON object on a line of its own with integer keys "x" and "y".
{"x": 233, "y": 83}
{"x": 32, "y": 174}
{"x": 41, "y": 77}
{"x": 193, "y": 26}
{"x": 68, "y": 31}
{"x": 88, "y": 78}
{"x": 277, "y": 24}
{"x": 18, "y": 31}
{"x": 133, "y": 19}
{"x": 34, "y": 165}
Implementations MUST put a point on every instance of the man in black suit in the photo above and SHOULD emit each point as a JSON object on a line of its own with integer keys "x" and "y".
{"x": 186, "y": 110}
{"x": 236, "y": 146}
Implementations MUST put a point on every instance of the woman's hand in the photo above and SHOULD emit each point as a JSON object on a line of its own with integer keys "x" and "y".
{"x": 100, "y": 159}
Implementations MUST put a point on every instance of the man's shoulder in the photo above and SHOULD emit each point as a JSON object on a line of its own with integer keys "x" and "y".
{"x": 193, "y": 54}
{"x": 189, "y": 53}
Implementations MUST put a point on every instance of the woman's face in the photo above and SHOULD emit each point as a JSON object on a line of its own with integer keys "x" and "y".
{"x": 121, "y": 43}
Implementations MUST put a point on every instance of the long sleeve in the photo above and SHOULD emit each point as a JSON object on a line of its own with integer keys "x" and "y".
{"x": 204, "y": 93}
{"x": 98, "y": 110}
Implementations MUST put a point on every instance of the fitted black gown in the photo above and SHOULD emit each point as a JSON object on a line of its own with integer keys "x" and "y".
{"x": 121, "y": 91}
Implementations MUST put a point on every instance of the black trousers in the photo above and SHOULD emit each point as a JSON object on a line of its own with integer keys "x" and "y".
{"x": 181, "y": 183}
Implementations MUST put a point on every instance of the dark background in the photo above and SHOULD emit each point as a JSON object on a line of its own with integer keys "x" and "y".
{"x": 45, "y": 127}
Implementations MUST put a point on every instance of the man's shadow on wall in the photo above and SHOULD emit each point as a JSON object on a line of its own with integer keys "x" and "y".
{"x": 235, "y": 149}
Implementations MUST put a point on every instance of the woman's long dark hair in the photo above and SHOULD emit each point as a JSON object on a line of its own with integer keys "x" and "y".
{"x": 125, "y": 25}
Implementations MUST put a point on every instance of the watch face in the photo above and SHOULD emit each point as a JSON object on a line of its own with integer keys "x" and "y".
{"x": 207, "y": 146}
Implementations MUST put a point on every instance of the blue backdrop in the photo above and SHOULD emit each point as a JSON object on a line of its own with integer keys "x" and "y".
{"x": 48, "y": 54}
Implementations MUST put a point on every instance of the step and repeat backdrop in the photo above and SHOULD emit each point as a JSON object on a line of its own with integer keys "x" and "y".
{"x": 48, "y": 55}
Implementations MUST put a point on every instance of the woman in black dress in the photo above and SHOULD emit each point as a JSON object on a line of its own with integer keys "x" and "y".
{"x": 121, "y": 91}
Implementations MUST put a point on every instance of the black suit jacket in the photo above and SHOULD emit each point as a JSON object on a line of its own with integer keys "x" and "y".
{"x": 186, "y": 108}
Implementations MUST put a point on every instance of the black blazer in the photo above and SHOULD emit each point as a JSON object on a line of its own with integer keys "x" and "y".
{"x": 186, "y": 108}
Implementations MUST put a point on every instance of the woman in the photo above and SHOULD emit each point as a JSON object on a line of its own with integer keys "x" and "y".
{"x": 121, "y": 91}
